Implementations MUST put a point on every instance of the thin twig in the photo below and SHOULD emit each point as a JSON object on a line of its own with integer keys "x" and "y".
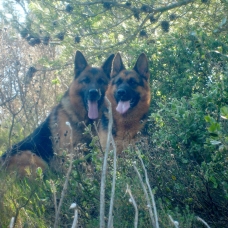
{"x": 132, "y": 200}
{"x": 74, "y": 206}
{"x": 172, "y": 6}
{"x": 67, "y": 178}
{"x": 54, "y": 194}
{"x": 151, "y": 193}
{"x": 12, "y": 222}
{"x": 201, "y": 220}
{"x": 104, "y": 169}
{"x": 99, "y": 140}
{"x": 175, "y": 223}
{"x": 22, "y": 206}
{"x": 146, "y": 195}
{"x": 11, "y": 130}
{"x": 8, "y": 100}
{"x": 110, "y": 217}
{"x": 75, "y": 218}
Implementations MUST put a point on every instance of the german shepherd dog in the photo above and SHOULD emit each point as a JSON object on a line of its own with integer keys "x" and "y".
{"x": 82, "y": 102}
{"x": 129, "y": 94}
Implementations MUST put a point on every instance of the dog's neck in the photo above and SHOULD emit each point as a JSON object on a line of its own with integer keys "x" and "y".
{"x": 128, "y": 124}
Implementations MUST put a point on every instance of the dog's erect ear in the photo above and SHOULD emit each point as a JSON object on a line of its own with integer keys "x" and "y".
{"x": 80, "y": 63}
{"x": 142, "y": 66}
{"x": 117, "y": 65}
{"x": 107, "y": 65}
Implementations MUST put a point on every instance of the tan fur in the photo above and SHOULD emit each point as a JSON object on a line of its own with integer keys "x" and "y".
{"x": 26, "y": 163}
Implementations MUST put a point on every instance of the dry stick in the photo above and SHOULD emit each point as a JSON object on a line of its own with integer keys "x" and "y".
{"x": 12, "y": 222}
{"x": 104, "y": 169}
{"x": 201, "y": 220}
{"x": 8, "y": 100}
{"x": 11, "y": 130}
{"x": 74, "y": 206}
{"x": 54, "y": 194}
{"x": 75, "y": 219}
{"x": 147, "y": 196}
{"x": 150, "y": 191}
{"x": 22, "y": 206}
{"x": 99, "y": 141}
{"x": 67, "y": 178}
{"x": 175, "y": 223}
{"x": 110, "y": 217}
{"x": 132, "y": 200}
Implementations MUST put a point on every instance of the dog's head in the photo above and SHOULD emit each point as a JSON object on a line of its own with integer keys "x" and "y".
{"x": 90, "y": 84}
{"x": 129, "y": 87}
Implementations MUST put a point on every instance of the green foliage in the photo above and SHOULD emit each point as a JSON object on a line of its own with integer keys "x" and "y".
{"x": 18, "y": 133}
{"x": 186, "y": 154}
{"x": 191, "y": 145}
{"x": 25, "y": 199}
{"x": 55, "y": 81}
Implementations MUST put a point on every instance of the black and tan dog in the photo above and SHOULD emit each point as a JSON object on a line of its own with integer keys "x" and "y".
{"x": 129, "y": 94}
{"x": 83, "y": 101}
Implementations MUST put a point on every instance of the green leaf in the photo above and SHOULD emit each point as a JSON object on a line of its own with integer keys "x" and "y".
{"x": 224, "y": 112}
{"x": 215, "y": 127}
{"x": 185, "y": 161}
{"x": 214, "y": 181}
{"x": 208, "y": 119}
{"x": 55, "y": 81}
{"x": 39, "y": 171}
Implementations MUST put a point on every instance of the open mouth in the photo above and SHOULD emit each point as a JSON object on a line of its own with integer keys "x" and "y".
{"x": 92, "y": 101}
{"x": 123, "y": 106}
{"x": 92, "y": 109}
{"x": 126, "y": 99}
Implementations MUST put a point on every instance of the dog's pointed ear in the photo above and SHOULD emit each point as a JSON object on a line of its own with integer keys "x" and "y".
{"x": 142, "y": 66}
{"x": 80, "y": 63}
{"x": 107, "y": 65}
{"x": 117, "y": 65}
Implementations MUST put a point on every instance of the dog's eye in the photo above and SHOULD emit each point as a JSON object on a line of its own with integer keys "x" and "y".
{"x": 100, "y": 81}
{"x": 119, "y": 81}
{"x": 86, "y": 80}
{"x": 132, "y": 82}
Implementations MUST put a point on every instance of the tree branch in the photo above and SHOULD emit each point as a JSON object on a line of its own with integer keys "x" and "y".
{"x": 172, "y": 6}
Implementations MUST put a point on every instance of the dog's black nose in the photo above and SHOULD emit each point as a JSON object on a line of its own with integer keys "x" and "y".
{"x": 121, "y": 92}
{"x": 93, "y": 92}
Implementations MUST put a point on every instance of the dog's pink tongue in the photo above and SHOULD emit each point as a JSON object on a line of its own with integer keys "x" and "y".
{"x": 123, "y": 106}
{"x": 93, "y": 110}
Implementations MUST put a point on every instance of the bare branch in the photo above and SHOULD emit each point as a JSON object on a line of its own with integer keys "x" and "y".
{"x": 54, "y": 195}
{"x": 175, "y": 223}
{"x": 8, "y": 100}
{"x": 201, "y": 220}
{"x": 104, "y": 169}
{"x": 150, "y": 191}
{"x": 12, "y": 222}
{"x": 110, "y": 218}
{"x": 132, "y": 200}
{"x": 146, "y": 195}
{"x": 172, "y": 6}
{"x": 74, "y": 206}
{"x": 67, "y": 178}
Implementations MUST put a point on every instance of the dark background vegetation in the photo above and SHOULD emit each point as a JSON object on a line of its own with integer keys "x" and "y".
{"x": 186, "y": 155}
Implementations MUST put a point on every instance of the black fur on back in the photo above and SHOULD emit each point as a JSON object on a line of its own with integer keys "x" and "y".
{"x": 39, "y": 142}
